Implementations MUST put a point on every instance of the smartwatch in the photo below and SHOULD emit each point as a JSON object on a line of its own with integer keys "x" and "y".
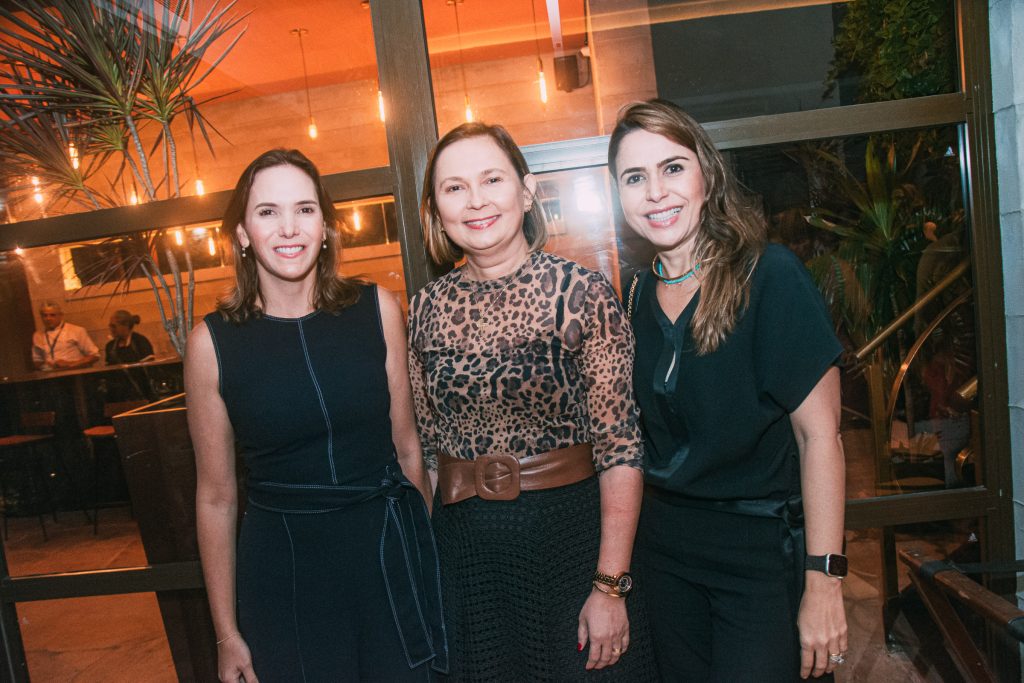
{"x": 833, "y": 564}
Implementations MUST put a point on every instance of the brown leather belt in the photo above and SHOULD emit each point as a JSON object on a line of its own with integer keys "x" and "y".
{"x": 502, "y": 477}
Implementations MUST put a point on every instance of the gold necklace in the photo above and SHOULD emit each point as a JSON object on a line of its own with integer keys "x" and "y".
{"x": 483, "y": 322}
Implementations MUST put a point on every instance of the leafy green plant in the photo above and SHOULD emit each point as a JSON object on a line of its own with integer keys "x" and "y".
{"x": 871, "y": 274}
{"x": 79, "y": 82}
{"x": 898, "y": 48}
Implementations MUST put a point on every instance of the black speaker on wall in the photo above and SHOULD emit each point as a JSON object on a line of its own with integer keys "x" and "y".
{"x": 572, "y": 72}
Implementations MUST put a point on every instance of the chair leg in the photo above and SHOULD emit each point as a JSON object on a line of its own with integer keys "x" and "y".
{"x": 3, "y": 491}
{"x": 44, "y": 474}
{"x": 95, "y": 486}
{"x": 32, "y": 472}
{"x": 75, "y": 490}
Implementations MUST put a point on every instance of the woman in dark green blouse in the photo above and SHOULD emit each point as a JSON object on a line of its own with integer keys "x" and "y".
{"x": 741, "y": 533}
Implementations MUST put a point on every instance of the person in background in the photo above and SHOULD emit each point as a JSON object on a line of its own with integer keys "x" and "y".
{"x": 61, "y": 345}
{"x": 520, "y": 363}
{"x": 741, "y": 532}
{"x": 127, "y": 346}
{"x": 333, "y": 575}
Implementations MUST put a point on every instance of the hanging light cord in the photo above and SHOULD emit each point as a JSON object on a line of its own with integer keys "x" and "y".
{"x": 462, "y": 60}
{"x": 536, "y": 38}
{"x": 305, "y": 75}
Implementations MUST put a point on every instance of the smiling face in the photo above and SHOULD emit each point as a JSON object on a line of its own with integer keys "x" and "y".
{"x": 283, "y": 225}
{"x": 480, "y": 199}
{"x": 661, "y": 188}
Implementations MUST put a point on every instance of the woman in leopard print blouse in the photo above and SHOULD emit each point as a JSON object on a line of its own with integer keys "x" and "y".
{"x": 523, "y": 356}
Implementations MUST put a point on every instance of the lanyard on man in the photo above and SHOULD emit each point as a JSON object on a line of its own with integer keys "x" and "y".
{"x": 53, "y": 344}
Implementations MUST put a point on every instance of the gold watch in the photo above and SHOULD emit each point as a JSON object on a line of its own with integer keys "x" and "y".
{"x": 619, "y": 584}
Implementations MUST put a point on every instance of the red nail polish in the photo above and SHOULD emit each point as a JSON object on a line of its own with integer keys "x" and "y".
{"x": 579, "y": 647}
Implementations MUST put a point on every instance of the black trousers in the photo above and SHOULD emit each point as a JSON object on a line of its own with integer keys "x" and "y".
{"x": 726, "y": 594}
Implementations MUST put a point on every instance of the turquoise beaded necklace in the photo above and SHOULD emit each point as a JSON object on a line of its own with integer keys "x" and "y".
{"x": 659, "y": 272}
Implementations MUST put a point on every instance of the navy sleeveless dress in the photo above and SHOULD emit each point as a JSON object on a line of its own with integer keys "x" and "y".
{"x": 336, "y": 569}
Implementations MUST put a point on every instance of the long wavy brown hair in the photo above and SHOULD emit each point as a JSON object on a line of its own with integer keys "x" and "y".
{"x": 732, "y": 231}
{"x": 439, "y": 246}
{"x": 331, "y": 291}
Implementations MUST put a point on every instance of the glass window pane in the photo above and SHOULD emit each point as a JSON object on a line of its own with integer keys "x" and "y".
{"x": 717, "y": 60}
{"x": 269, "y": 90}
{"x": 879, "y": 221}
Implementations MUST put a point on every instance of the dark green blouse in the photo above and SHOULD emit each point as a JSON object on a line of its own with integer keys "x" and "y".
{"x": 717, "y": 426}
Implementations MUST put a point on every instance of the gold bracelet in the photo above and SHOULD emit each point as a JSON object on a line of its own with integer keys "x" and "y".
{"x": 598, "y": 585}
{"x": 224, "y": 640}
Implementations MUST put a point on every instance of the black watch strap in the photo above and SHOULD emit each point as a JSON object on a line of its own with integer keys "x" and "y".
{"x": 832, "y": 564}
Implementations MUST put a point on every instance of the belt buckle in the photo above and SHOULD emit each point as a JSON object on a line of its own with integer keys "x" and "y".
{"x": 496, "y": 477}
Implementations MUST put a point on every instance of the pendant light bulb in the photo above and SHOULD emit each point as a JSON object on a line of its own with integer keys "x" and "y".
{"x": 313, "y": 132}
{"x": 200, "y": 188}
{"x": 542, "y": 82}
{"x": 134, "y": 199}
{"x": 357, "y": 220}
{"x": 179, "y": 237}
{"x": 73, "y": 155}
{"x": 380, "y": 105}
{"x": 211, "y": 246}
{"x": 469, "y": 111}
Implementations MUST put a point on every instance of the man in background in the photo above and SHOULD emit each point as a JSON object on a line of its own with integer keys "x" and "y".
{"x": 61, "y": 345}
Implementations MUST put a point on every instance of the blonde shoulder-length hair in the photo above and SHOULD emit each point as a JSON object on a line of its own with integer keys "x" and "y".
{"x": 732, "y": 231}
{"x": 439, "y": 246}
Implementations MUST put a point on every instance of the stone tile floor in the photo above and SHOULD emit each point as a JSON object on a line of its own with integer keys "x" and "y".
{"x": 103, "y": 639}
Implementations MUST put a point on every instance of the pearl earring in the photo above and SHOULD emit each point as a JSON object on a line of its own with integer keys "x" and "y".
{"x": 243, "y": 251}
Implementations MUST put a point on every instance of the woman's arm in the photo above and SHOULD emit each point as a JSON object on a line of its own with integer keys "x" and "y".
{"x": 603, "y": 619}
{"x": 216, "y": 500}
{"x": 606, "y": 364}
{"x": 403, "y": 421}
{"x": 822, "y": 619}
{"x": 420, "y": 399}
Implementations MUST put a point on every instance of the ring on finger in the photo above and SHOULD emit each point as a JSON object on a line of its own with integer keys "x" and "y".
{"x": 837, "y": 657}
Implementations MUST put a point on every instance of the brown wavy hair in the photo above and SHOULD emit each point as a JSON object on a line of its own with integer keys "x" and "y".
{"x": 732, "y": 231}
{"x": 439, "y": 246}
{"x": 331, "y": 291}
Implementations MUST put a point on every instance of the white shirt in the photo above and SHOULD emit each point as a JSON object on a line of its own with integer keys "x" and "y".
{"x": 67, "y": 342}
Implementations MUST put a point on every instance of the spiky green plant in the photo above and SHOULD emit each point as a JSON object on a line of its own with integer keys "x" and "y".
{"x": 96, "y": 72}
{"x": 870, "y": 276}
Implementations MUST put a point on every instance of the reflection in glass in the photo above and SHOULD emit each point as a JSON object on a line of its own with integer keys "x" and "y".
{"x": 253, "y": 99}
{"x": 879, "y": 222}
{"x": 717, "y": 60}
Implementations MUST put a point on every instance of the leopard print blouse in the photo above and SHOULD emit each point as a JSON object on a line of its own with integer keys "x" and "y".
{"x": 538, "y": 360}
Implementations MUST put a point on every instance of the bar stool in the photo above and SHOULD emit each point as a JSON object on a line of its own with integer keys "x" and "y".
{"x": 37, "y": 430}
{"x": 104, "y": 435}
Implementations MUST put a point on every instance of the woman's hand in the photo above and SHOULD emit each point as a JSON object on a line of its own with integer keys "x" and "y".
{"x": 234, "y": 661}
{"x": 605, "y": 625}
{"x": 822, "y": 624}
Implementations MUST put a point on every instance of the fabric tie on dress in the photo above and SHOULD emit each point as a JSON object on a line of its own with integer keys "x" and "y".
{"x": 408, "y": 555}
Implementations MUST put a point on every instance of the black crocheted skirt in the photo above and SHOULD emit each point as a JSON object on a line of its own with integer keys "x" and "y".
{"x": 514, "y": 576}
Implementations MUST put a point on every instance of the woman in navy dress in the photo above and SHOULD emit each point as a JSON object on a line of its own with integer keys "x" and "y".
{"x": 335, "y": 574}
{"x": 741, "y": 531}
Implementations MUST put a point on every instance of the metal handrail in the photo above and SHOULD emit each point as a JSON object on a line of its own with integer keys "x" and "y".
{"x": 894, "y": 392}
{"x": 906, "y": 315}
